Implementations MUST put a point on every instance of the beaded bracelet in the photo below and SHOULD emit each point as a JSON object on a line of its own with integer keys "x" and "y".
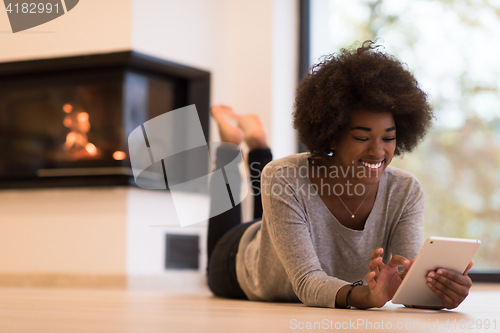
{"x": 355, "y": 284}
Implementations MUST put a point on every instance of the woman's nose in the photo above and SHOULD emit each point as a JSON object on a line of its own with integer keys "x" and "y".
{"x": 376, "y": 149}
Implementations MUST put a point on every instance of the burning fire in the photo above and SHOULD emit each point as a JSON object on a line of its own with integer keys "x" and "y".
{"x": 67, "y": 108}
{"x": 92, "y": 150}
{"x": 119, "y": 155}
{"x": 77, "y": 143}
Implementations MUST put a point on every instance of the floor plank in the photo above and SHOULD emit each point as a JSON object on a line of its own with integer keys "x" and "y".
{"x": 78, "y": 310}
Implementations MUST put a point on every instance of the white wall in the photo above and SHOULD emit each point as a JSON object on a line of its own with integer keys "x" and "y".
{"x": 93, "y": 26}
{"x": 69, "y": 231}
{"x": 250, "y": 48}
{"x": 66, "y": 231}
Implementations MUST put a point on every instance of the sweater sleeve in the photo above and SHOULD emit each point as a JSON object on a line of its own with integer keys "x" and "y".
{"x": 291, "y": 238}
{"x": 408, "y": 236}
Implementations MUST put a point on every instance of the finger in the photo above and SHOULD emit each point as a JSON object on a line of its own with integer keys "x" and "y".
{"x": 376, "y": 273}
{"x": 370, "y": 280}
{"x": 455, "y": 279}
{"x": 448, "y": 302}
{"x": 469, "y": 267}
{"x": 454, "y": 291}
{"x": 450, "y": 292}
{"x": 376, "y": 253}
{"x": 397, "y": 260}
{"x": 402, "y": 276}
{"x": 409, "y": 264}
{"x": 375, "y": 264}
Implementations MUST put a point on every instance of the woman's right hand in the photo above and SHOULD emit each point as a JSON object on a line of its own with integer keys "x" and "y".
{"x": 383, "y": 280}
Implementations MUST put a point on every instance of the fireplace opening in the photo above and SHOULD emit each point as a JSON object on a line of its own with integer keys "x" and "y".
{"x": 65, "y": 121}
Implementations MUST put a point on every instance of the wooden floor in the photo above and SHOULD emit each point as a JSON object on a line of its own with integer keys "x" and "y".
{"x": 72, "y": 310}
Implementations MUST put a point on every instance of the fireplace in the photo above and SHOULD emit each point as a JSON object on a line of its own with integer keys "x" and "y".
{"x": 65, "y": 121}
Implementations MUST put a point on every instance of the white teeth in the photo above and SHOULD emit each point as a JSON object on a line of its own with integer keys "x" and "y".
{"x": 372, "y": 166}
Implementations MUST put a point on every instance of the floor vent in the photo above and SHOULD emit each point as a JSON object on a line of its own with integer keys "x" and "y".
{"x": 182, "y": 251}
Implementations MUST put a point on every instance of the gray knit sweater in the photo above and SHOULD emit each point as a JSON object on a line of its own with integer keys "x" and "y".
{"x": 300, "y": 252}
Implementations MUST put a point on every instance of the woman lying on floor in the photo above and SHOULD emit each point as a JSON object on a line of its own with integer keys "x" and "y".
{"x": 340, "y": 213}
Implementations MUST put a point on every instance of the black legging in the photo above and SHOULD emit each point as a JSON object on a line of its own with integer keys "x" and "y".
{"x": 225, "y": 230}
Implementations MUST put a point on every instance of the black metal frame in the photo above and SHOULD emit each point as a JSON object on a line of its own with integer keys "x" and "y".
{"x": 198, "y": 88}
{"x": 304, "y": 48}
{"x": 485, "y": 277}
{"x": 304, "y": 37}
{"x": 304, "y": 59}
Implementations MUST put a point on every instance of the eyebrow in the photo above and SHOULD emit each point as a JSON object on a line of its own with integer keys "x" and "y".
{"x": 369, "y": 129}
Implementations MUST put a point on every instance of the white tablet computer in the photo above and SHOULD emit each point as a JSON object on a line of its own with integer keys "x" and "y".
{"x": 450, "y": 253}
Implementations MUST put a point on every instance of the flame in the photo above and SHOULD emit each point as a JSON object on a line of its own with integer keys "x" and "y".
{"x": 77, "y": 145}
{"x": 83, "y": 117}
{"x": 91, "y": 149}
{"x": 119, "y": 155}
{"x": 70, "y": 140}
{"x": 67, "y": 122}
{"x": 83, "y": 122}
{"x": 67, "y": 108}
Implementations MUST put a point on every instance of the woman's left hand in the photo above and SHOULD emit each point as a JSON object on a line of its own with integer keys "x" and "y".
{"x": 450, "y": 286}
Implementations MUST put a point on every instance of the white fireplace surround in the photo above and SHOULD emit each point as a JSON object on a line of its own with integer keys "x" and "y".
{"x": 92, "y": 233}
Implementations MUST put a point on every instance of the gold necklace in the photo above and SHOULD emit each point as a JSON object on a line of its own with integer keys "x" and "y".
{"x": 366, "y": 196}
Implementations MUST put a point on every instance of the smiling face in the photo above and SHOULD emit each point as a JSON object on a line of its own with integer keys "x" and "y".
{"x": 367, "y": 144}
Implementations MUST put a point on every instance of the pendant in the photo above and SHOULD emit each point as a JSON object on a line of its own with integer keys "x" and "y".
{"x": 352, "y": 215}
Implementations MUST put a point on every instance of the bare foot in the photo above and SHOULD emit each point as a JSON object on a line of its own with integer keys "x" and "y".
{"x": 255, "y": 137}
{"x": 227, "y": 122}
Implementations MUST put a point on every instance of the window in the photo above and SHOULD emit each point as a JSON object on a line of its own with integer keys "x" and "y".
{"x": 451, "y": 46}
